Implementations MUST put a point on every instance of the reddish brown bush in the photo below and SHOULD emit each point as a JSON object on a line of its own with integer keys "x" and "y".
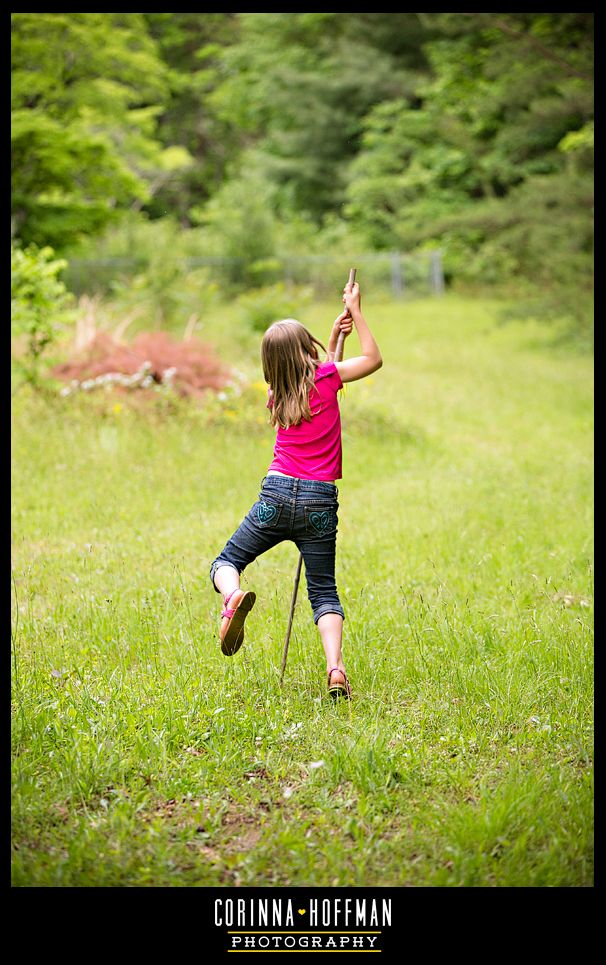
{"x": 196, "y": 367}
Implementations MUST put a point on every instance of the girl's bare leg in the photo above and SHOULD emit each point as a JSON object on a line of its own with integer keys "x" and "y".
{"x": 227, "y": 579}
{"x": 330, "y": 626}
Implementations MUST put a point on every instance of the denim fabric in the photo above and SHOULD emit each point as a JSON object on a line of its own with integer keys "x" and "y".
{"x": 304, "y": 511}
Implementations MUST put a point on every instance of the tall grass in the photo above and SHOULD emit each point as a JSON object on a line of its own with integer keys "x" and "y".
{"x": 142, "y": 756}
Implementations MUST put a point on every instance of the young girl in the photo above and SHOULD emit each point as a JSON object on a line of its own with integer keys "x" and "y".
{"x": 298, "y": 498}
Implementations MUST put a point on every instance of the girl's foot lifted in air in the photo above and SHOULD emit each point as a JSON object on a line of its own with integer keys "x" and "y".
{"x": 236, "y": 607}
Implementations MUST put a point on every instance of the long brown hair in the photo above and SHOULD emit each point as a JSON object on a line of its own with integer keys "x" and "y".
{"x": 289, "y": 354}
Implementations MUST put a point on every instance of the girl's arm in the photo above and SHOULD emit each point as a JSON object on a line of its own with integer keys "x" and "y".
{"x": 370, "y": 360}
{"x": 344, "y": 323}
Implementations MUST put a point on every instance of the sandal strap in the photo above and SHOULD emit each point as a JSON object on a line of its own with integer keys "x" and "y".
{"x": 229, "y": 611}
{"x": 228, "y": 596}
{"x": 346, "y": 684}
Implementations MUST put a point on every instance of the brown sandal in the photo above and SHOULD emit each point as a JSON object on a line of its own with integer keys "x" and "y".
{"x": 339, "y": 690}
{"x": 231, "y": 633}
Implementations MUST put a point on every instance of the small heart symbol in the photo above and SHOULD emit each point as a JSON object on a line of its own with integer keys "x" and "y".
{"x": 266, "y": 513}
{"x": 301, "y": 911}
{"x": 320, "y": 521}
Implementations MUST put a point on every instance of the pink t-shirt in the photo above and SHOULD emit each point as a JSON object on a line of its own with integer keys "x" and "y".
{"x": 312, "y": 450}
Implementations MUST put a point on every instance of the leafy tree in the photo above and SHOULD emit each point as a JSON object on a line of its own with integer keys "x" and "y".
{"x": 191, "y": 45}
{"x": 266, "y": 135}
{"x": 495, "y": 162}
{"x": 86, "y": 95}
{"x": 298, "y": 86}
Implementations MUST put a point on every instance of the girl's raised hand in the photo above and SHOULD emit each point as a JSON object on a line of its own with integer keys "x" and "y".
{"x": 351, "y": 297}
{"x": 344, "y": 323}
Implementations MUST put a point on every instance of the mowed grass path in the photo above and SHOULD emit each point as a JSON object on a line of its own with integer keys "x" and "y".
{"x": 142, "y": 756}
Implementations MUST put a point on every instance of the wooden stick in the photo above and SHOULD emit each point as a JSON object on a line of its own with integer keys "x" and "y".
{"x": 293, "y": 603}
{"x": 341, "y": 338}
{"x": 338, "y": 357}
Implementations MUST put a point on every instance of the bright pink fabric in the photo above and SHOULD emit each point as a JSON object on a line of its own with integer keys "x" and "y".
{"x": 312, "y": 450}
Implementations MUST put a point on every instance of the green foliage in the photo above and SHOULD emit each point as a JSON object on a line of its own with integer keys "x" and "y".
{"x": 238, "y": 229}
{"x": 262, "y": 306}
{"x": 86, "y": 95}
{"x": 40, "y": 304}
{"x": 495, "y": 166}
{"x": 300, "y": 85}
{"x": 191, "y": 45}
{"x": 268, "y": 135}
{"x": 148, "y": 269}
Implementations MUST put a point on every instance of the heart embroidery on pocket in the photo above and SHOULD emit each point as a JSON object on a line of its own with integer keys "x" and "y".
{"x": 266, "y": 512}
{"x": 320, "y": 521}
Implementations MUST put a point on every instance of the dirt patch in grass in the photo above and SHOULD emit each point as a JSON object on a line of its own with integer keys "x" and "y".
{"x": 243, "y": 842}
{"x": 238, "y": 829}
{"x": 241, "y": 829}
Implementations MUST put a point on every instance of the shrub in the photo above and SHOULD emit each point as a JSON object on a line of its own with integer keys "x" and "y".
{"x": 40, "y": 303}
{"x": 262, "y": 306}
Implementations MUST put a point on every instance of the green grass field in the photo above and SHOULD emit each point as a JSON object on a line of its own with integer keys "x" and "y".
{"x": 142, "y": 756}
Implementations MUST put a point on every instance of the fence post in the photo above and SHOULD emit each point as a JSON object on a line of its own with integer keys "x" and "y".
{"x": 436, "y": 274}
{"x": 397, "y": 275}
{"x": 288, "y": 274}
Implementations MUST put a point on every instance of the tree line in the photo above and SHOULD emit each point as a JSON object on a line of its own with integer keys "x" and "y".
{"x": 471, "y": 132}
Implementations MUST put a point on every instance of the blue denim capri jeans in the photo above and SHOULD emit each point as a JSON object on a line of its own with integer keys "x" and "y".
{"x": 304, "y": 511}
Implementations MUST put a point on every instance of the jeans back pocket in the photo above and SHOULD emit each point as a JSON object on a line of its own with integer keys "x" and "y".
{"x": 320, "y": 519}
{"x": 266, "y": 513}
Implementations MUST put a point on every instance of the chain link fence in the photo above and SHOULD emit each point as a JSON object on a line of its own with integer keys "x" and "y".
{"x": 396, "y": 274}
